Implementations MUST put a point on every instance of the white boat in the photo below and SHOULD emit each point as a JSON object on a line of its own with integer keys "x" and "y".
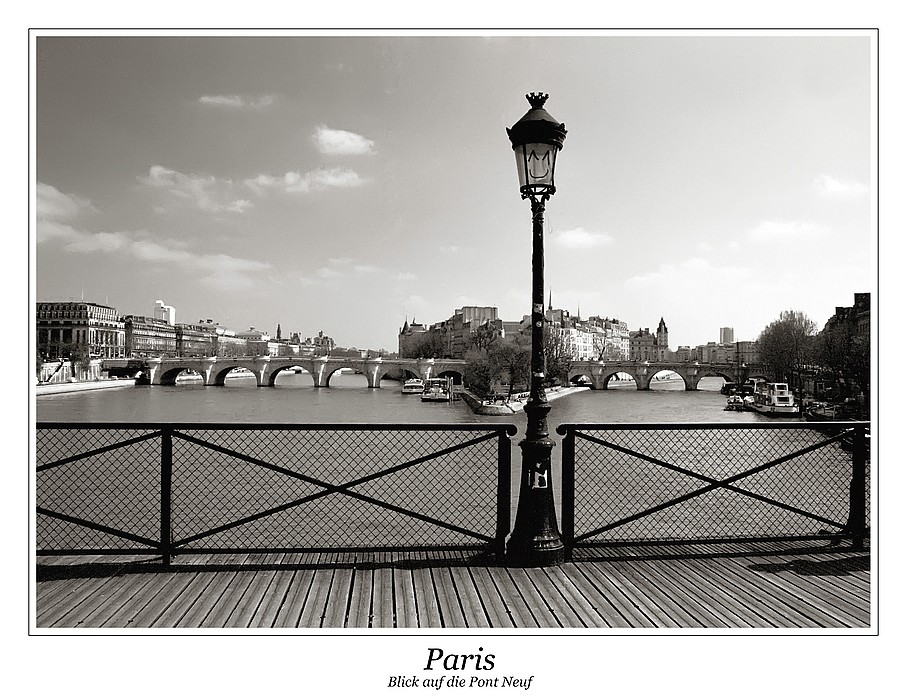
{"x": 735, "y": 402}
{"x": 436, "y": 390}
{"x": 413, "y": 386}
{"x": 773, "y": 399}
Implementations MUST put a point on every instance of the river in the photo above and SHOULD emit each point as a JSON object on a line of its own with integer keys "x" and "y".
{"x": 348, "y": 400}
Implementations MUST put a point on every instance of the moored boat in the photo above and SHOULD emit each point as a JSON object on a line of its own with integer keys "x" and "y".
{"x": 436, "y": 390}
{"x": 735, "y": 403}
{"x": 773, "y": 399}
{"x": 413, "y": 386}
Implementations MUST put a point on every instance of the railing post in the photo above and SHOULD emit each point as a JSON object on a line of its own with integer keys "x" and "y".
{"x": 503, "y": 526}
{"x": 568, "y": 489}
{"x": 856, "y": 520}
{"x": 166, "y": 485}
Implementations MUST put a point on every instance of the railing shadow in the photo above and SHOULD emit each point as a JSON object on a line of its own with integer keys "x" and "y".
{"x": 326, "y": 560}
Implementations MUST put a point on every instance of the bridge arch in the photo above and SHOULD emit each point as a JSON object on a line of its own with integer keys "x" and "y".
{"x": 455, "y": 375}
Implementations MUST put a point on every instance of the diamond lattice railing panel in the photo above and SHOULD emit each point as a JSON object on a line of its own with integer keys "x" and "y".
{"x": 212, "y": 489}
{"x": 119, "y": 488}
{"x": 613, "y": 486}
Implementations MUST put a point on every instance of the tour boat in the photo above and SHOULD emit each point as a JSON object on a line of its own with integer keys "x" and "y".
{"x": 413, "y": 386}
{"x": 436, "y": 390}
{"x": 773, "y": 399}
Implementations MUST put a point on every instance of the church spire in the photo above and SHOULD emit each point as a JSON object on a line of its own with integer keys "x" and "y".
{"x": 550, "y": 308}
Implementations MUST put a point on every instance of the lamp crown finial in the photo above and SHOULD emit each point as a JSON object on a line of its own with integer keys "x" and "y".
{"x": 537, "y": 99}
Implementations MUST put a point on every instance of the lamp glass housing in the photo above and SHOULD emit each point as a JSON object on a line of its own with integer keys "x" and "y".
{"x": 535, "y": 167}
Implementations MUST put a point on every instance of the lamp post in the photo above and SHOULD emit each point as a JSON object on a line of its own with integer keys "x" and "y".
{"x": 535, "y": 540}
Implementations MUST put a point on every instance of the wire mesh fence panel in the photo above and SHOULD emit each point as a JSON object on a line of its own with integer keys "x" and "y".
{"x": 97, "y": 489}
{"x": 243, "y": 488}
{"x": 333, "y": 488}
{"x": 707, "y": 482}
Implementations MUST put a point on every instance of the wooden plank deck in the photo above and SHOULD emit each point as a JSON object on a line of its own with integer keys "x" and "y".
{"x": 720, "y": 586}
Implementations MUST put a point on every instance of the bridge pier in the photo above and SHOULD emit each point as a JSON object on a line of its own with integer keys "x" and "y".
{"x": 373, "y": 372}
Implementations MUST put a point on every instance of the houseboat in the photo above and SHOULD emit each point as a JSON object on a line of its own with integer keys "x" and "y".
{"x": 773, "y": 399}
{"x": 413, "y": 386}
{"x": 436, "y": 390}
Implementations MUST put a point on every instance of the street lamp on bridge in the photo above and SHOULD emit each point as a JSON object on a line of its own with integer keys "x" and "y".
{"x": 535, "y": 540}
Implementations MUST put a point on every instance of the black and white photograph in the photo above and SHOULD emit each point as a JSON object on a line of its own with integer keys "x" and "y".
{"x": 456, "y": 339}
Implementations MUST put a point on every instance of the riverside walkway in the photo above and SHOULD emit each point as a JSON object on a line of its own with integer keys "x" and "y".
{"x": 812, "y": 585}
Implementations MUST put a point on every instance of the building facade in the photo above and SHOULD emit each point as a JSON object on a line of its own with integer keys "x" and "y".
{"x": 149, "y": 337}
{"x": 66, "y": 327}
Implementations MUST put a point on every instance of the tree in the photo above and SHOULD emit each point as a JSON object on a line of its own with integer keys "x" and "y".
{"x": 431, "y": 345}
{"x": 558, "y": 359}
{"x": 787, "y": 344}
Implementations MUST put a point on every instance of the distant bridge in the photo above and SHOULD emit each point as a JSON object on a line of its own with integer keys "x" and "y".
{"x": 214, "y": 370}
{"x": 643, "y": 372}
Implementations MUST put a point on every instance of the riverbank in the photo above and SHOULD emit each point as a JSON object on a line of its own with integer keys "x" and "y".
{"x": 70, "y": 387}
{"x": 508, "y": 408}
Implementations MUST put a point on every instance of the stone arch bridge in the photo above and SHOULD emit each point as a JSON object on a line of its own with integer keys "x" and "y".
{"x": 600, "y": 373}
{"x": 214, "y": 370}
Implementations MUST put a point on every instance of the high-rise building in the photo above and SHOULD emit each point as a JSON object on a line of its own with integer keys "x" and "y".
{"x": 162, "y": 312}
{"x": 726, "y": 335}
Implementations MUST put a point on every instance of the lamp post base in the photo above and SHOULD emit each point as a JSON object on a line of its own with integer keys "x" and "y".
{"x": 535, "y": 540}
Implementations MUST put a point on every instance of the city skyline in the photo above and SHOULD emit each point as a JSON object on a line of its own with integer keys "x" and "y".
{"x": 348, "y": 184}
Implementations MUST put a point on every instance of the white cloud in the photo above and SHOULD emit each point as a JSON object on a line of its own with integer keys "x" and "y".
{"x": 315, "y": 180}
{"x": 828, "y": 186}
{"x": 579, "y": 238}
{"x": 53, "y": 205}
{"x": 205, "y": 192}
{"x": 336, "y": 142}
{"x": 237, "y": 101}
{"x": 770, "y": 231}
{"x": 405, "y": 276}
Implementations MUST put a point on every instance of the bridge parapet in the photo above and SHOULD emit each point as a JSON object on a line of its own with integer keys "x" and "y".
{"x": 600, "y": 372}
{"x": 159, "y": 371}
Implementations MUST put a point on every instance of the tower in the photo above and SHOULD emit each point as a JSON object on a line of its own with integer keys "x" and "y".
{"x": 661, "y": 341}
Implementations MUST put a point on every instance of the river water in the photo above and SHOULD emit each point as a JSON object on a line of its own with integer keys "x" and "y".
{"x": 348, "y": 400}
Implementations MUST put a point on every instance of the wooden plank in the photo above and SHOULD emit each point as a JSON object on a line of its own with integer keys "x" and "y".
{"x": 89, "y": 597}
{"x": 468, "y": 596}
{"x": 624, "y": 612}
{"x": 553, "y": 598}
{"x": 252, "y": 599}
{"x": 293, "y": 603}
{"x": 785, "y": 602}
{"x": 383, "y": 614}
{"x": 448, "y": 601}
{"x": 427, "y": 608}
{"x": 826, "y": 599}
{"x": 272, "y": 599}
{"x": 527, "y": 607}
{"x": 664, "y": 574}
{"x": 583, "y": 599}
{"x": 229, "y": 600}
{"x": 404, "y": 599}
{"x": 622, "y": 574}
{"x": 495, "y": 609}
{"x": 154, "y": 607}
{"x": 339, "y": 599}
{"x": 361, "y": 599}
{"x": 774, "y": 612}
{"x": 730, "y": 603}
{"x": 129, "y": 587}
{"x": 313, "y": 611}
{"x": 194, "y": 595}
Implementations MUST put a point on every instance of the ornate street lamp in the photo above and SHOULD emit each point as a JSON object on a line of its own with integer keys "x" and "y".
{"x": 535, "y": 540}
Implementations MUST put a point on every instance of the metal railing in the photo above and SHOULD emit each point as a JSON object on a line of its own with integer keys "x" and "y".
{"x": 173, "y": 488}
{"x": 178, "y": 488}
{"x": 709, "y": 482}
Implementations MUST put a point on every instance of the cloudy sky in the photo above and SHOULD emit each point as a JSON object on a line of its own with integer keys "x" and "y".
{"x": 344, "y": 184}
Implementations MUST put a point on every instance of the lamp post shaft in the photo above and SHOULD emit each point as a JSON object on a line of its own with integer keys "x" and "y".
{"x": 535, "y": 540}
